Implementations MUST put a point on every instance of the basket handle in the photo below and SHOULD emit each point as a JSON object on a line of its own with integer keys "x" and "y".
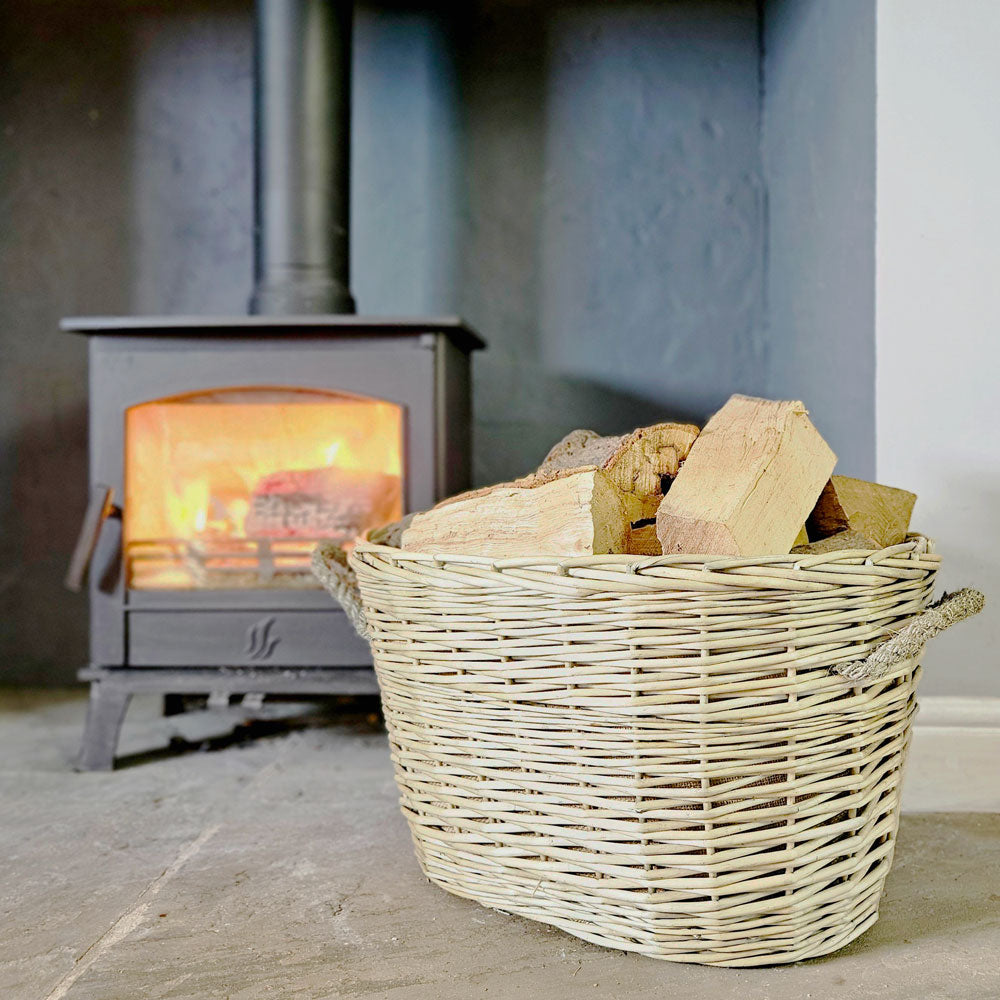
{"x": 910, "y": 640}
{"x": 331, "y": 568}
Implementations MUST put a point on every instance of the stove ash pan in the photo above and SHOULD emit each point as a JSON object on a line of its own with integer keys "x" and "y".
{"x": 221, "y": 451}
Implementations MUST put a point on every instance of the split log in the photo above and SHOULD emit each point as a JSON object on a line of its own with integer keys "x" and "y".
{"x": 646, "y": 461}
{"x": 879, "y": 513}
{"x": 638, "y": 462}
{"x": 572, "y": 513}
{"x": 749, "y": 483}
{"x": 642, "y": 540}
{"x": 642, "y": 464}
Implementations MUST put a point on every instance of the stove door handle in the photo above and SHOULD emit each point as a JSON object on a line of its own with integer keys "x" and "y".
{"x": 99, "y": 509}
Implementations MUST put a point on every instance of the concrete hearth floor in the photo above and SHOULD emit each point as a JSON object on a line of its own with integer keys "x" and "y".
{"x": 279, "y": 866}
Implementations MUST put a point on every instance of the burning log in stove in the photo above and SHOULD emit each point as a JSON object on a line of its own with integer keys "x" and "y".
{"x": 322, "y": 503}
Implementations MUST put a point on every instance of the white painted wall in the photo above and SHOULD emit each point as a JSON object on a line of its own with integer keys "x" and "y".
{"x": 938, "y": 302}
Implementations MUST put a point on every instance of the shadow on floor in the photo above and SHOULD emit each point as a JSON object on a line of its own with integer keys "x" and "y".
{"x": 202, "y": 730}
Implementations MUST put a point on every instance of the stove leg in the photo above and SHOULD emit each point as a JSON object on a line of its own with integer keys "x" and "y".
{"x": 173, "y": 704}
{"x": 105, "y": 712}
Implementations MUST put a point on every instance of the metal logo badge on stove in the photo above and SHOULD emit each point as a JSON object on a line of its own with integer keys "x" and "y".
{"x": 261, "y": 643}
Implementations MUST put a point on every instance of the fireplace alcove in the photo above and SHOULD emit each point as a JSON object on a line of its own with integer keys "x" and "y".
{"x": 694, "y": 213}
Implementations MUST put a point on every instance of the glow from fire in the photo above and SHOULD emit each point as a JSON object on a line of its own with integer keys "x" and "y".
{"x": 254, "y": 464}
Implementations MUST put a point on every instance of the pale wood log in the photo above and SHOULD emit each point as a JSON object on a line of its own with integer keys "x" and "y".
{"x": 834, "y": 543}
{"x": 750, "y": 481}
{"x": 643, "y": 460}
{"x": 638, "y": 462}
{"x": 879, "y": 513}
{"x": 642, "y": 541}
{"x": 580, "y": 512}
{"x": 533, "y": 479}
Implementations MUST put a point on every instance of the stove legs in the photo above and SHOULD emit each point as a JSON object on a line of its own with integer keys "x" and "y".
{"x": 111, "y": 688}
{"x": 174, "y": 704}
{"x": 105, "y": 712}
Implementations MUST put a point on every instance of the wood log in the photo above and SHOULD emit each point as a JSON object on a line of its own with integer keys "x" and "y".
{"x": 578, "y": 449}
{"x": 572, "y": 513}
{"x": 390, "y": 534}
{"x": 328, "y": 502}
{"x": 646, "y": 461}
{"x": 834, "y": 543}
{"x": 879, "y": 513}
{"x": 642, "y": 540}
{"x": 750, "y": 481}
{"x": 638, "y": 462}
{"x": 642, "y": 465}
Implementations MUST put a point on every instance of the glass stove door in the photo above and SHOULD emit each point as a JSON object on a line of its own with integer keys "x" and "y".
{"x": 233, "y": 488}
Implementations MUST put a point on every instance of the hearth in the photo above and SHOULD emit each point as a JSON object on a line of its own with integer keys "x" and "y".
{"x": 224, "y": 448}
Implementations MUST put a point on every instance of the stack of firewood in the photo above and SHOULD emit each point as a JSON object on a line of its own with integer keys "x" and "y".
{"x": 757, "y": 480}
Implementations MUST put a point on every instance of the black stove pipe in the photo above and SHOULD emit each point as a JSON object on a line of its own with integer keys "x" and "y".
{"x": 302, "y": 118}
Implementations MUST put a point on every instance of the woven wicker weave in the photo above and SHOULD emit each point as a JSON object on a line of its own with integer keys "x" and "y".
{"x": 652, "y": 753}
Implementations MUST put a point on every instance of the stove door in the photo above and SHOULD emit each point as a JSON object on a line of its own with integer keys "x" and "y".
{"x": 232, "y": 488}
{"x": 220, "y": 517}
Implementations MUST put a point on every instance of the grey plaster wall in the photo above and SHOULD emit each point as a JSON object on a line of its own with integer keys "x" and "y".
{"x": 64, "y": 244}
{"x": 612, "y": 214}
{"x": 124, "y": 187}
{"x": 582, "y": 181}
{"x": 818, "y": 145}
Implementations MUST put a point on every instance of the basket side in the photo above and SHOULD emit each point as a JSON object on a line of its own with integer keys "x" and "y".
{"x": 659, "y": 759}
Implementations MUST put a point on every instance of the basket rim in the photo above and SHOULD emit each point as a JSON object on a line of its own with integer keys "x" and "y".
{"x": 916, "y": 547}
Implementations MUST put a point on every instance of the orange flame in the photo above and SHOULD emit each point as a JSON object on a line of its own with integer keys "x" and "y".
{"x": 196, "y": 465}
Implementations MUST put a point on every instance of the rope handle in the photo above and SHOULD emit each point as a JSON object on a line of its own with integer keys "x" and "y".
{"x": 910, "y": 640}
{"x": 330, "y": 566}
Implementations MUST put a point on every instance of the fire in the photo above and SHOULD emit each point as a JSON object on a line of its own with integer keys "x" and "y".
{"x": 216, "y": 468}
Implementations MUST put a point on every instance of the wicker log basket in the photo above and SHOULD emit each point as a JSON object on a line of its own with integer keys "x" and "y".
{"x": 657, "y": 754}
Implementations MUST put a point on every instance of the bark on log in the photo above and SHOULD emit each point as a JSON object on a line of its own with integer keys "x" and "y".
{"x": 642, "y": 465}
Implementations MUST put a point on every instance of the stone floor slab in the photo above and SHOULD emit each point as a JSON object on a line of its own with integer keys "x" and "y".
{"x": 281, "y": 867}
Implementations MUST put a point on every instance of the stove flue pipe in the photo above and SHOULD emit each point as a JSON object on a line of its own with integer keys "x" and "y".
{"x": 302, "y": 112}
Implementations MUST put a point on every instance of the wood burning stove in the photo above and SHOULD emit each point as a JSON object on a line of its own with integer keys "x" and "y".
{"x": 221, "y": 451}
